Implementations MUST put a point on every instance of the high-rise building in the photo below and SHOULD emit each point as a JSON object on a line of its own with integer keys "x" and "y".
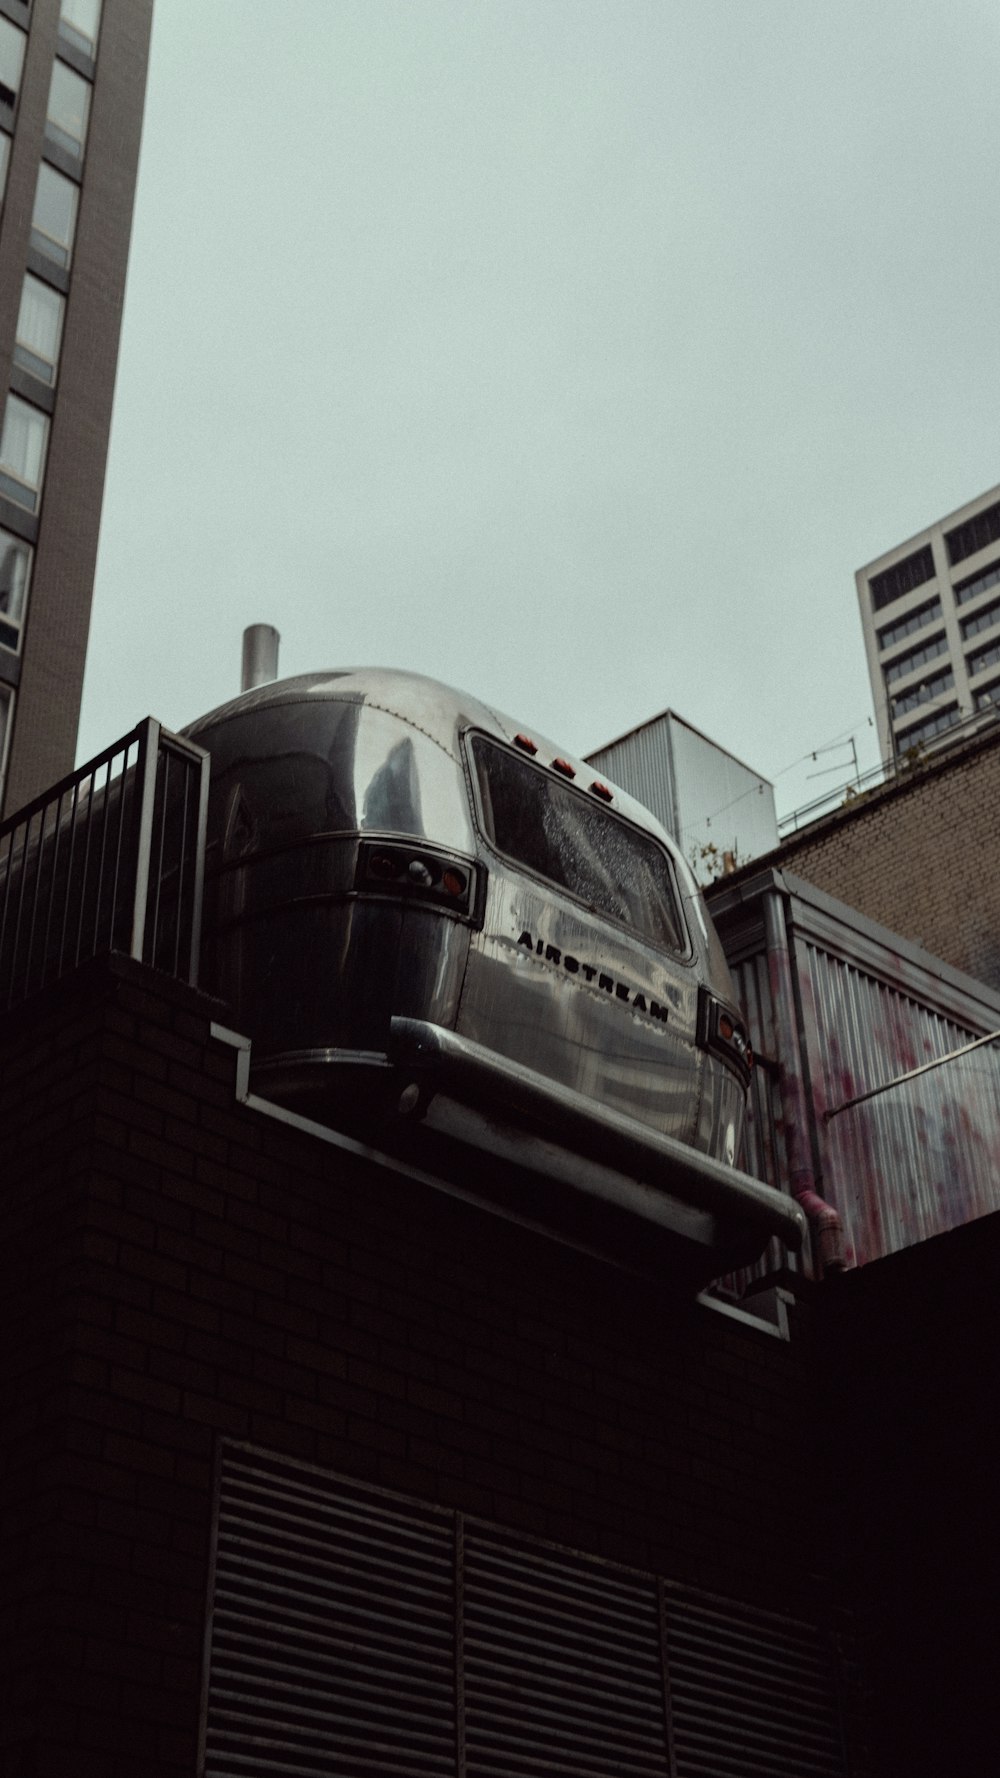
{"x": 930, "y": 610}
{"x": 72, "y": 82}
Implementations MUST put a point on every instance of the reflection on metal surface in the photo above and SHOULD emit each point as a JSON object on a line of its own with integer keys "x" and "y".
{"x": 383, "y": 849}
{"x": 655, "y": 1162}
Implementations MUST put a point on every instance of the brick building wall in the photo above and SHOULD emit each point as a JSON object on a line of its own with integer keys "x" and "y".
{"x": 178, "y": 1268}
{"x": 918, "y": 856}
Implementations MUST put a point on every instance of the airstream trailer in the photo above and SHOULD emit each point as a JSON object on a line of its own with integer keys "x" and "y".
{"x": 430, "y": 919}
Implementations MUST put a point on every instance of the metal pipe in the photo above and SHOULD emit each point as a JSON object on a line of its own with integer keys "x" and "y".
{"x": 260, "y": 655}
{"x": 911, "y": 1074}
{"x": 794, "y": 1106}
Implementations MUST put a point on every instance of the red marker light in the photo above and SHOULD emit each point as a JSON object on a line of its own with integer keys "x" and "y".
{"x": 526, "y": 742}
{"x": 563, "y": 766}
{"x": 602, "y": 790}
{"x": 725, "y": 1027}
{"x": 454, "y": 882}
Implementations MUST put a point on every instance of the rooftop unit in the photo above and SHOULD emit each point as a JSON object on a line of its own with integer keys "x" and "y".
{"x": 716, "y": 808}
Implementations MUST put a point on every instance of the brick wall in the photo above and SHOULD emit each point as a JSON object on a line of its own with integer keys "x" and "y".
{"x": 177, "y": 1267}
{"x": 919, "y": 857}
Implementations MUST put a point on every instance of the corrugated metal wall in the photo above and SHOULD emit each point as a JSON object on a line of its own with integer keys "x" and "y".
{"x": 925, "y": 1156}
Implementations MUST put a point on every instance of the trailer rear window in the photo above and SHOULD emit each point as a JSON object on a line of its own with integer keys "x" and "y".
{"x": 557, "y": 833}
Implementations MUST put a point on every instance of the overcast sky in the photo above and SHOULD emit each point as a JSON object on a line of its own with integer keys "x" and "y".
{"x": 575, "y": 352}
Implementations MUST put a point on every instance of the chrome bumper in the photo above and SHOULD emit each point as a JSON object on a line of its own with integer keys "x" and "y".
{"x": 613, "y": 1157}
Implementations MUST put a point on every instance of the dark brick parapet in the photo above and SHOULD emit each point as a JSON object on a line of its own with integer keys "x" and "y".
{"x": 178, "y": 1267}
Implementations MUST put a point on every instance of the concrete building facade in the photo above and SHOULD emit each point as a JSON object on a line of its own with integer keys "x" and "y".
{"x": 930, "y": 612}
{"x": 72, "y": 82}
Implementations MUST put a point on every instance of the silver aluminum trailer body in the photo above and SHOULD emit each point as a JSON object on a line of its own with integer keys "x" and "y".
{"x": 403, "y": 887}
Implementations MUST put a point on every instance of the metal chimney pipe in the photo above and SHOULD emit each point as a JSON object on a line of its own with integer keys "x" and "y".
{"x": 260, "y": 655}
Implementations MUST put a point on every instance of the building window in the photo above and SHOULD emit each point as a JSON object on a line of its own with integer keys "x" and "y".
{"x": 39, "y": 329}
{"x": 906, "y": 663}
{"x": 12, "y": 43}
{"x": 15, "y": 568}
{"x": 981, "y": 620}
{"x": 53, "y": 224}
{"x": 990, "y": 694}
{"x": 23, "y": 444}
{"x": 894, "y": 583}
{"x": 978, "y": 583}
{"x": 908, "y": 625}
{"x": 926, "y": 730}
{"x": 974, "y": 535}
{"x": 69, "y": 109}
{"x": 985, "y": 658}
{"x": 923, "y": 693}
{"x": 78, "y": 22}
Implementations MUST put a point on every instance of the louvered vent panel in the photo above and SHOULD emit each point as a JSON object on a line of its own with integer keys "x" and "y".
{"x": 332, "y": 1646}
{"x": 562, "y": 1665}
{"x": 753, "y": 1695}
{"x": 357, "y": 1634}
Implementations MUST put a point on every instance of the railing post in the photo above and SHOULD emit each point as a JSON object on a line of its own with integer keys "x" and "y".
{"x": 201, "y": 829}
{"x": 149, "y": 748}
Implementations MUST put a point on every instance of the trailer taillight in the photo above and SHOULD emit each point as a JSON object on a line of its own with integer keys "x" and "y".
{"x": 724, "y": 1034}
{"x": 395, "y": 868}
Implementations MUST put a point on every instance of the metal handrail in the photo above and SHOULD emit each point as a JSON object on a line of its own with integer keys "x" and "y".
{"x": 109, "y": 859}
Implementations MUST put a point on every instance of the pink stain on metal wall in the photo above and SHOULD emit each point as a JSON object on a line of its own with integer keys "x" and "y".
{"x": 868, "y": 1006}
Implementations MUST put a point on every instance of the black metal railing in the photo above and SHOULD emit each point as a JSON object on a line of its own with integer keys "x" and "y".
{"x": 110, "y": 859}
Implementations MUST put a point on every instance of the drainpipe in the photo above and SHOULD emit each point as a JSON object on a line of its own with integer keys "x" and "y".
{"x": 795, "y": 1110}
